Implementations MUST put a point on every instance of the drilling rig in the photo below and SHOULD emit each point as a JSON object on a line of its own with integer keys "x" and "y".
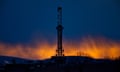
{"x": 59, "y": 58}
{"x": 59, "y": 28}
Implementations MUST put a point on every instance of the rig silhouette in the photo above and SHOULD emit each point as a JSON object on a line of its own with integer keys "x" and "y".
{"x": 59, "y": 33}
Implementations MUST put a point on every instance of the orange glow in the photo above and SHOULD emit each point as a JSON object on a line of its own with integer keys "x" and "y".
{"x": 98, "y": 48}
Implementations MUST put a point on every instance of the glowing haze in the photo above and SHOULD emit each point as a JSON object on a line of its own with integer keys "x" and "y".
{"x": 98, "y": 48}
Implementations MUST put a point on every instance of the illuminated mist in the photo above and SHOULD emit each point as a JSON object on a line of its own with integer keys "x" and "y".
{"x": 98, "y": 48}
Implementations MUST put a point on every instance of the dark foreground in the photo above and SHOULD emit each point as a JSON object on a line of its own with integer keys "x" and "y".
{"x": 65, "y": 64}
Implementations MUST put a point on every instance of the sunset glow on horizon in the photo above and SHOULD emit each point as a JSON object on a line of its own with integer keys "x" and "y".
{"x": 97, "y": 48}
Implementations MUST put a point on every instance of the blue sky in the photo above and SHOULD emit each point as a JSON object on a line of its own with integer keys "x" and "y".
{"x": 24, "y": 20}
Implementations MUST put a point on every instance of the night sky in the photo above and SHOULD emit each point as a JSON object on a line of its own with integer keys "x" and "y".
{"x": 22, "y": 21}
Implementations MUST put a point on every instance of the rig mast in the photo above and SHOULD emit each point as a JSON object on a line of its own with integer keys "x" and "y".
{"x": 59, "y": 33}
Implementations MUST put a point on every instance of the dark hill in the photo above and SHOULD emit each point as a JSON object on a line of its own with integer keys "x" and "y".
{"x": 59, "y": 64}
